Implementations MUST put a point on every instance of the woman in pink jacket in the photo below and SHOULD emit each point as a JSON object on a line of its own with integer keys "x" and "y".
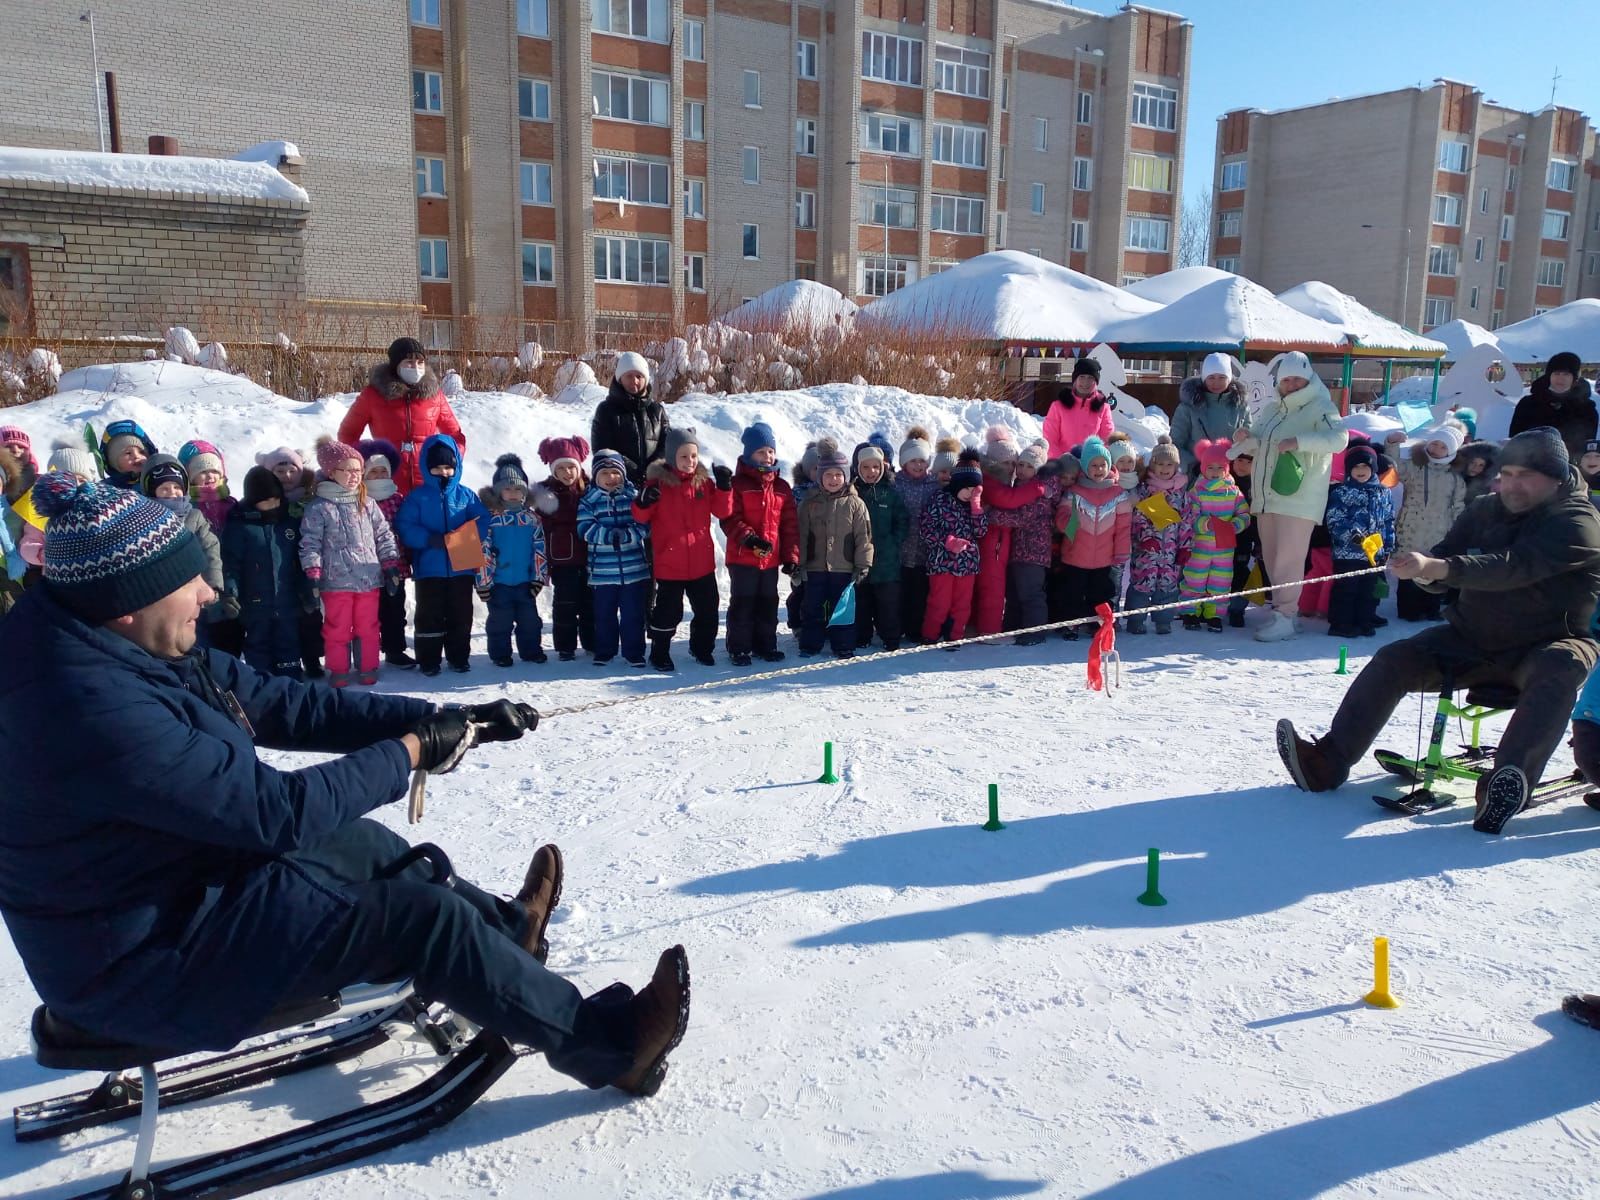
{"x": 1080, "y": 412}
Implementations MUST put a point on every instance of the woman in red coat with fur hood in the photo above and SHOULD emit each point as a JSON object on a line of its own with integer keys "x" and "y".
{"x": 402, "y": 404}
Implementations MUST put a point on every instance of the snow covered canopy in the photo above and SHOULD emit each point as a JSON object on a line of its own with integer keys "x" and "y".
{"x": 216, "y": 177}
{"x": 1461, "y": 337}
{"x": 799, "y": 304}
{"x": 1574, "y": 326}
{"x": 1006, "y": 296}
{"x": 1175, "y": 285}
{"x": 1369, "y": 331}
{"x": 1229, "y": 314}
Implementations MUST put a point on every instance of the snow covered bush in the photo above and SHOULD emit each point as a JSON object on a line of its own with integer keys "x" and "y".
{"x": 574, "y": 372}
{"x": 213, "y": 356}
{"x": 182, "y": 346}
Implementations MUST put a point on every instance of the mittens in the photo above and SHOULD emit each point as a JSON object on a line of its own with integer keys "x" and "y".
{"x": 956, "y": 545}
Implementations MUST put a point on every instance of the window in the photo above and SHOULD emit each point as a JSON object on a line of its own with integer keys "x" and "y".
{"x": 425, "y": 12}
{"x": 694, "y": 198}
{"x": 880, "y": 276}
{"x": 1154, "y": 106}
{"x": 1483, "y": 200}
{"x": 891, "y": 135}
{"x": 694, "y": 40}
{"x": 1500, "y": 275}
{"x": 959, "y": 70}
{"x": 1563, "y": 175}
{"x": 1511, "y": 179}
{"x": 647, "y": 19}
{"x": 1473, "y": 301}
{"x": 805, "y": 60}
{"x": 430, "y": 176}
{"x": 433, "y": 258}
{"x": 533, "y": 18}
{"x": 891, "y": 59}
{"x": 1597, "y": 220}
{"x": 1036, "y": 200}
{"x": 694, "y": 272}
{"x": 1437, "y": 310}
{"x": 752, "y": 164}
{"x": 805, "y": 136}
{"x": 1235, "y": 174}
{"x": 1477, "y": 250}
{"x": 538, "y": 263}
{"x": 694, "y": 120}
{"x": 805, "y": 210}
{"x": 1041, "y": 134}
{"x": 1508, "y": 226}
{"x": 1082, "y": 174}
{"x": 1556, "y": 225}
{"x": 1229, "y": 263}
{"x": 752, "y": 89}
{"x": 1539, "y": 310}
{"x": 1036, "y": 251}
{"x": 1497, "y": 318}
{"x": 533, "y": 99}
{"x": 751, "y": 241}
{"x": 636, "y": 180}
{"x": 1443, "y": 260}
{"x": 1085, "y": 108}
{"x": 1552, "y": 272}
{"x": 1080, "y": 235}
{"x": 1000, "y": 162}
{"x": 963, "y": 145}
{"x": 427, "y": 92}
{"x": 1447, "y": 210}
{"x": 1594, "y": 264}
{"x": 534, "y": 180}
{"x": 1150, "y": 172}
{"x": 631, "y": 98}
{"x": 1229, "y": 222}
{"x": 632, "y": 260}
{"x": 804, "y": 269}
{"x": 958, "y": 214}
{"x": 1149, "y": 233}
{"x": 1000, "y": 231}
{"x": 1453, "y": 156}
{"x": 893, "y": 207}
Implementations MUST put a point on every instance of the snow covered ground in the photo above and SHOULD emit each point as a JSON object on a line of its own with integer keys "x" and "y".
{"x": 891, "y": 1003}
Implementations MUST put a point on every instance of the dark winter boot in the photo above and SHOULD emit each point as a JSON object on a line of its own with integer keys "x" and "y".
{"x": 740, "y": 659}
{"x": 1311, "y": 765}
{"x": 1500, "y": 797}
{"x": 661, "y": 1014}
{"x": 541, "y": 892}
{"x": 400, "y": 659}
{"x": 1235, "y": 619}
{"x": 660, "y": 658}
{"x": 771, "y": 655}
{"x": 705, "y": 660}
{"x": 1584, "y": 1009}
{"x": 1190, "y": 620}
{"x": 1214, "y": 624}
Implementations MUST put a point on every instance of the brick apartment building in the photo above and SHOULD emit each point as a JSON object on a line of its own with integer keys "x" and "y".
{"x": 1427, "y": 204}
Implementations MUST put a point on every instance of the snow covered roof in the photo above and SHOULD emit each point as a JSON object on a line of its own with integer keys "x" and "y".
{"x": 1370, "y": 331}
{"x": 1227, "y": 314}
{"x": 216, "y": 177}
{"x": 1175, "y": 285}
{"x": 1007, "y": 296}
{"x": 272, "y": 153}
{"x": 1574, "y": 326}
{"x": 1461, "y": 336}
{"x": 802, "y": 303}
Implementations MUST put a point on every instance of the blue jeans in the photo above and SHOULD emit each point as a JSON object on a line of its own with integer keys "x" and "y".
{"x": 510, "y": 606}
{"x": 628, "y": 600}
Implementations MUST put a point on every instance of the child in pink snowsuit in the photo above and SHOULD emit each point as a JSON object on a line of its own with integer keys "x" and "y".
{"x": 1221, "y": 514}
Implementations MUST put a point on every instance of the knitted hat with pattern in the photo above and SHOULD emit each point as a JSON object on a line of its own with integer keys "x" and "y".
{"x": 197, "y": 456}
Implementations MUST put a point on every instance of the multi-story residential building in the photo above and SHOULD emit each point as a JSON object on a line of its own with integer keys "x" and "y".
{"x": 1427, "y": 204}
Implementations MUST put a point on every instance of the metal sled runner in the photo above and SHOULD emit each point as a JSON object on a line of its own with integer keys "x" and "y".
{"x": 342, "y": 1027}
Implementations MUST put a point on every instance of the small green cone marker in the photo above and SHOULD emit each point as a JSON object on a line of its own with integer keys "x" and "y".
{"x": 994, "y": 823}
{"x": 1344, "y": 661}
{"x": 1152, "y": 874}
{"x": 827, "y": 764}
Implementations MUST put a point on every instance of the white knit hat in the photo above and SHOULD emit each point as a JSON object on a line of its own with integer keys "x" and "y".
{"x": 1449, "y": 433}
{"x": 1294, "y": 365}
{"x": 629, "y": 361}
{"x": 1217, "y": 364}
{"x": 915, "y": 446}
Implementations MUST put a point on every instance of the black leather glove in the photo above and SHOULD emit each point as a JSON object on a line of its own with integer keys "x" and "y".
{"x": 534, "y": 588}
{"x": 502, "y": 720}
{"x": 312, "y": 604}
{"x": 787, "y": 568}
{"x": 724, "y": 478}
{"x": 754, "y": 541}
{"x": 649, "y": 496}
{"x": 442, "y": 735}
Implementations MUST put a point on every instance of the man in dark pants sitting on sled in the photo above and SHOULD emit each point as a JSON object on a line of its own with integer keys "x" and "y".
{"x": 165, "y": 887}
{"x": 1526, "y": 563}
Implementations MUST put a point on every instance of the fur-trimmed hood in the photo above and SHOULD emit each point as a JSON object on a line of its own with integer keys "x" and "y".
{"x": 1488, "y": 451}
{"x": 16, "y": 476}
{"x": 391, "y": 387}
{"x": 540, "y": 498}
{"x": 1193, "y": 391}
{"x": 663, "y": 475}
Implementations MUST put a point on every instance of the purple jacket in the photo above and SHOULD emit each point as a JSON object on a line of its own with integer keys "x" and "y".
{"x": 1032, "y": 525}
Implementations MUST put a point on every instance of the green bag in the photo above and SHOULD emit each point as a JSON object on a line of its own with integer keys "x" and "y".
{"x": 1287, "y": 474}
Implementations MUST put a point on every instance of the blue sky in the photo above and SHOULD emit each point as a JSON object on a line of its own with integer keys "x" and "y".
{"x": 1284, "y": 53}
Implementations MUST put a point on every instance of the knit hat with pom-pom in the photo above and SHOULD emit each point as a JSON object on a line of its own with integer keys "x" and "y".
{"x": 918, "y": 445}
{"x": 331, "y": 452}
{"x": 197, "y": 456}
{"x": 73, "y": 459}
{"x": 109, "y": 551}
{"x": 967, "y": 473}
{"x": 881, "y": 441}
{"x": 1208, "y": 453}
{"x": 1092, "y": 449}
{"x": 557, "y": 450}
{"x": 281, "y": 457}
{"x": 830, "y": 457}
{"x": 1164, "y": 452}
{"x": 1000, "y": 445}
{"x": 948, "y": 448}
{"x": 1035, "y": 454}
{"x": 508, "y": 472}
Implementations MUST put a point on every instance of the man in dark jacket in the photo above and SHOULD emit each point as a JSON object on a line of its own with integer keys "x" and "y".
{"x": 628, "y": 420}
{"x": 1526, "y": 563}
{"x": 1563, "y": 400}
{"x": 171, "y": 889}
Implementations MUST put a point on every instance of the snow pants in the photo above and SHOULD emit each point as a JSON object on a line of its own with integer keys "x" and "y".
{"x": 272, "y": 640}
{"x": 668, "y": 613}
{"x": 347, "y": 616}
{"x": 619, "y": 614}
{"x": 1314, "y": 597}
{"x": 571, "y": 608}
{"x": 994, "y": 552}
{"x": 511, "y": 608}
{"x": 1025, "y": 587}
{"x": 1163, "y": 620}
{"x": 878, "y": 608}
{"x": 1547, "y": 676}
{"x": 392, "y": 620}
{"x": 462, "y": 948}
{"x": 1083, "y": 589}
{"x": 949, "y": 599}
{"x": 823, "y": 589}
{"x": 1284, "y": 542}
{"x": 1352, "y": 603}
{"x": 1245, "y": 555}
{"x": 1208, "y": 572}
{"x": 1412, "y": 603}
{"x": 444, "y": 621}
{"x": 913, "y": 601}
{"x": 752, "y": 609}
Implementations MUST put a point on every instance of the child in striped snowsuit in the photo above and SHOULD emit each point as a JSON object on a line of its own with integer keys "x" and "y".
{"x": 1221, "y": 513}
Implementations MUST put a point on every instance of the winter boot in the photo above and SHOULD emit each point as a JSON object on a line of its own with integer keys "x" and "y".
{"x": 1235, "y": 619}
{"x": 771, "y": 655}
{"x": 741, "y": 659}
{"x": 401, "y": 659}
{"x": 567, "y": 655}
{"x": 340, "y": 679}
{"x": 541, "y": 892}
{"x": 368, "y": 678}
{"x": 705, "y": 660}
{"x": 1214, "y": 624}
{"x": 1190, "y": 620}
{"x": 1280, "y": 627}
{"x": 1501, "y": 796}
{"x": 1310, "y": 764}
{"x": 1585, "y": 1009}
{"x": 660, "y": 657}
{"x": 538, "y": 656}
{"x": 660, "y": 1014}
{"x": 501, "y": 662}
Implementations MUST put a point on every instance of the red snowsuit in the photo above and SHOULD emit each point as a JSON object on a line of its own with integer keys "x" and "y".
{"x": 994, "y": 550}
{"x": 405, "y": 415}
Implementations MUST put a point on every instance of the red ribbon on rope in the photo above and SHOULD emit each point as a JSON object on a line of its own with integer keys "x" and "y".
{"x": 1103, "y": 642}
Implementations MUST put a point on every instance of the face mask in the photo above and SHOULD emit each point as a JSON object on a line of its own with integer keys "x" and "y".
{"x": 411, "y": 374}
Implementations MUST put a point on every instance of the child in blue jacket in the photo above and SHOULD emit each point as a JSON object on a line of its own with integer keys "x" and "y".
{"x": 1357, "y": 508}
{"x": 619, "y": 569}
{"x": 441, "y": 505}
{"x": 515, "y": 566}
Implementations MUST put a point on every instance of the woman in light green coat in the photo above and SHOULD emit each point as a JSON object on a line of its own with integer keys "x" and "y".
{"x": 1294, "y": 440}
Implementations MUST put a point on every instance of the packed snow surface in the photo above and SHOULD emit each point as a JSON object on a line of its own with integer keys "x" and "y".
{"x": 1175, "y": 285}
{"x": 889, "y": 1002}
{"x": 1369, "y": 330}
{"x": 151, "y": 172}
{"x": 1460, "y": 337}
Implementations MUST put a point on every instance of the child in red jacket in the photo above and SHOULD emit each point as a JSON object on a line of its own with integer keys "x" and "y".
{"x": 572, "y": 612}
{"x": 761, "y": 542}
{"x": 678, "y": 504}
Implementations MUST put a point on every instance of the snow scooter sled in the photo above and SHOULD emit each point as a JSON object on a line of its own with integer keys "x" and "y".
{"x": 1471, "y": 763}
